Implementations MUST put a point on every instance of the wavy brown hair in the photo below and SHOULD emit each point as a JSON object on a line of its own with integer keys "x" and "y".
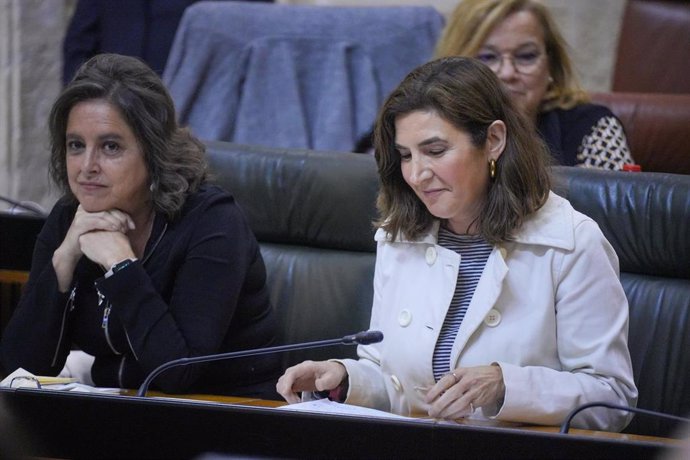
{"x": 467, "y": 94}
{"x": 175, "y": 159}
{"x": 473, "y": 20}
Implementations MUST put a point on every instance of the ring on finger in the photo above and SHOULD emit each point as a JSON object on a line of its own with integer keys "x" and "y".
{"x": 455, "y": 377}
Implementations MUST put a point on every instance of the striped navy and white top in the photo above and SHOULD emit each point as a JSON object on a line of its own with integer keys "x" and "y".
{"x": 474, "y": 252}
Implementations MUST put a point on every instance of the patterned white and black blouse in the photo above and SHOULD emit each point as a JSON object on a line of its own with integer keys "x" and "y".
{"x": 587, "y": 135}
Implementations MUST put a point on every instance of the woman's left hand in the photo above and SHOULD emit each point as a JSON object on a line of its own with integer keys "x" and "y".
{"x": 456, "y": 394}
{"x": 105, "y": 247}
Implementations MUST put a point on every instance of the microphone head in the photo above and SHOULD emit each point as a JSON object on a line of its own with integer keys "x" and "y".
{"x": 364, "y": 338}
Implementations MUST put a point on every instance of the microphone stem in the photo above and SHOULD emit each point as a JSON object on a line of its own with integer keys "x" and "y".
{"x": 233, "y": 354}
{"x": 28, "y": 207}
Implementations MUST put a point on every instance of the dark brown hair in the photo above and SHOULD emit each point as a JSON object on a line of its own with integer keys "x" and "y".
{"x": 468, "y": 95}
{"x": 175, "y": 159}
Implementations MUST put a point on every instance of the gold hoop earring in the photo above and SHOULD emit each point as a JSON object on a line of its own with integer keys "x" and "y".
{"x": 492, "y": 169}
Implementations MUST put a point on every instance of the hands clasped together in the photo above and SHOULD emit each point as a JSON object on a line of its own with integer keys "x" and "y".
{"x": 100, "y": 236}
{"x": 455, "y": 395}
{"x": 458, "y": 393}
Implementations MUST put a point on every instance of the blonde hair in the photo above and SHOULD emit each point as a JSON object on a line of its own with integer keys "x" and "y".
{"x": 473, "y": 20}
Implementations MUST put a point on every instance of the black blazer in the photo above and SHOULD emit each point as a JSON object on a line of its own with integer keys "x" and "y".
{"x": 141, "y": 28}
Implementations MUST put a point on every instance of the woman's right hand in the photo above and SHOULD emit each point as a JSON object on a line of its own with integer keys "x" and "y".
{"x": 310, "y": 376}
{"x": 67, "y": 255}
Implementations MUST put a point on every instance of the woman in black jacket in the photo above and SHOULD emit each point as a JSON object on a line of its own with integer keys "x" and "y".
{"x": 141, "y": 262}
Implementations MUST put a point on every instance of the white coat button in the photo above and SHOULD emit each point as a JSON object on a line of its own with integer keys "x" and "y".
{"x": 404, "y": 318}
{"x": 492, "y": 318}
{"x": 396, "y": 383}
{"x": 430, "y": 255}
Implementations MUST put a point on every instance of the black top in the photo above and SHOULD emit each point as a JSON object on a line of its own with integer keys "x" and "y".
{"x": 199, "y": 289}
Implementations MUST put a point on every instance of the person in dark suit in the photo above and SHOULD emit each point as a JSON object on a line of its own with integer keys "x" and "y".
{"x": 140, "y": 28}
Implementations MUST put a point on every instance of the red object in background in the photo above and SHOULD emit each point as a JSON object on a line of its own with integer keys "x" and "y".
{"x": 632, "y": 168}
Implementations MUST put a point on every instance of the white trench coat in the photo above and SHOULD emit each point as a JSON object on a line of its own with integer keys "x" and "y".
{"x": 549, "y": 309}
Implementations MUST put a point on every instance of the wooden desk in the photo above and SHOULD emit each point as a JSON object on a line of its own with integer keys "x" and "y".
{"x": 69, "y": 425}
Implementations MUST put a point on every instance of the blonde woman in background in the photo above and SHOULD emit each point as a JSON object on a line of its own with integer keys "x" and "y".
{"x": 521, "y": 44}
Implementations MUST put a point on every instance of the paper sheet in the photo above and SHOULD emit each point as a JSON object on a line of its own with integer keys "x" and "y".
{"x": 22, "y": 378}
{"x": 326, "y": 406}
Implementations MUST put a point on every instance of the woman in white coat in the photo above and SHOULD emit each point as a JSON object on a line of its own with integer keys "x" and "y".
{"x": 495, "y": 297}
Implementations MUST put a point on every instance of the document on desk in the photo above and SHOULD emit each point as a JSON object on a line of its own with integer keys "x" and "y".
{"x": 21, "y": 378}
{"x": 326, "y": 406}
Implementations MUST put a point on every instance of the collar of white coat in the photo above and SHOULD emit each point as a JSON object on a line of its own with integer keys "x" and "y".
{"x": 552, "y": 225}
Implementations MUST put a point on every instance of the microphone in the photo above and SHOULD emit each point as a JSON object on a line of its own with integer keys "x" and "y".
{"x": 25, "y": 205}
{"x": 565, "y": 426}
{"x": 361, "y": 338}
